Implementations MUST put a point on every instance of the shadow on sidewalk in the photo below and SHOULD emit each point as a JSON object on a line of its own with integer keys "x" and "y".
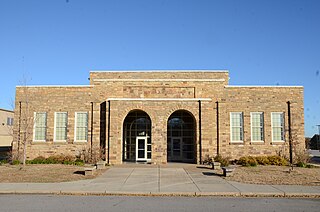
{"x": 79, "y": 172}
{"x": 204, "y": 167}
{"x": 212, "y": 174}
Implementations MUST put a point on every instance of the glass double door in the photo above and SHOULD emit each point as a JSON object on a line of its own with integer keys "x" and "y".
{"x": 175, "y": 149}
{"x": 143, "y": 149}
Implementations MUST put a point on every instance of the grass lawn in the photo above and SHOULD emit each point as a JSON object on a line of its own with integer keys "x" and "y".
{"x": 43, "y": 173}
{"x": 277, "y": 175}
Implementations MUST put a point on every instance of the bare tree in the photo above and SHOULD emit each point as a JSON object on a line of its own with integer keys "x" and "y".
{"x": 25, "y": 119}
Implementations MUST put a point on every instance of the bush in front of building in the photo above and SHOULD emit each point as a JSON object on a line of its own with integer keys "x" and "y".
{"x": 2, "y": 162}
{"x": 277, "y": 160}
{"x": 57, "y": 159}
{"x": 224, "y": 161}
{"x": 304, "y": 165}
{"x": 247, "y": 161}
{"x": 15, "y": 162}
{"x": 207, "y": 159}
{"x": 301, "y": 158}
{"x": 262, "y": 160}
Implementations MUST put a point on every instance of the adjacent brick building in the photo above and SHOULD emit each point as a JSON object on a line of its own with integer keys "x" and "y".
{"x": 159, "y": 116}
{"x": 6, "y": 125}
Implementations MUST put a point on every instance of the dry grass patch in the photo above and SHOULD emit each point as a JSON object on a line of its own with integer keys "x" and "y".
{"x": 277, "y": 175}
{"x": 43, "y": 173}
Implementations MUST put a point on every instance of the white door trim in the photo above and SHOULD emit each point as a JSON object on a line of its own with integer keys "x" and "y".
{"x": 145, "y": 138}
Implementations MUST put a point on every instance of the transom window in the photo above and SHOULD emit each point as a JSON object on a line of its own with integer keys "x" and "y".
{"x": 257, "y": 131}
{"x": 277, "y": 123}
{"x": 60, "y": 129}
{"x": 81, "y": 126}
{"x": 236, "y": 125}
{"x": 40, "y": 126}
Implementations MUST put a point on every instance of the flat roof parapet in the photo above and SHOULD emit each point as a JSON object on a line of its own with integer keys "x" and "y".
{"x": 160, "y": 76}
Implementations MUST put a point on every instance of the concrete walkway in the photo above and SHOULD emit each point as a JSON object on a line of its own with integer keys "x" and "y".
{"x": 160, "y": 180}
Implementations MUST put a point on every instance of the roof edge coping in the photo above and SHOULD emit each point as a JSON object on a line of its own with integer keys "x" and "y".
{"x": 10, "y": 111}
{"x": 159, "y": 70}
{"x": 263, "y": 86}
{"x": 43, "y": 86}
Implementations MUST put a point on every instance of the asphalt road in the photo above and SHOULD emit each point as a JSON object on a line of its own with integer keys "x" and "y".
{"x": 131, "y": 203}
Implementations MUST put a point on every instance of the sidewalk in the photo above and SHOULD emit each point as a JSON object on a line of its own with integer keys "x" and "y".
{"x": 160, "y": 180}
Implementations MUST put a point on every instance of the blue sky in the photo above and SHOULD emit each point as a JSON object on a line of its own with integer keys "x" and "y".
{"x": 261, "y": 42}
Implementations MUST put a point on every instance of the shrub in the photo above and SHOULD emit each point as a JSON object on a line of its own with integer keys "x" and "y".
{"x": 38, "y": 160}
{"x": 277, "y": 160}
{"x": 69, "y": 158}
{"x": 52, "y": 160}
{"x": 3, "y": 162}
{"x": 247, "y": 161}
{"x": 301, "y": 164}
{"x": 225, "y": 161}
{"x": 310, "y": 166}
{"x": 304, "y": 165}
{"x": 207, "y": 159}
{"x": 262, "y": 160}
{"x": 79, "y": 162}
{"x": 15, "y": 162}
{"x": 57, "y": 159}
{"x": 301, "y": 156}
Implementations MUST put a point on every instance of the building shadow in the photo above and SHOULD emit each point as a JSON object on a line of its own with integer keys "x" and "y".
{"x": 79, "y": 172}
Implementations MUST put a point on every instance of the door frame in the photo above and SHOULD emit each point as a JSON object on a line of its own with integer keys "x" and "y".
{"x": 145, "y": 138}
{"x": 171, "y": 145}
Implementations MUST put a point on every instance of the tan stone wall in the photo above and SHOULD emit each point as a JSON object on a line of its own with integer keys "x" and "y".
{"x": 51, "y": 100}
{"x": 266, "y": 100}
{"x": 231, "y": 99}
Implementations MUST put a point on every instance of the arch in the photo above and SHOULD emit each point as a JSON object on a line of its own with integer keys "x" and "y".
{"x": 181, "y": 137}
{"x": 136, "y": 146}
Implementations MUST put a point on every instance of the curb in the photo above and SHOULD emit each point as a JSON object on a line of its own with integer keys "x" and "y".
{"x": 167, "y": 194}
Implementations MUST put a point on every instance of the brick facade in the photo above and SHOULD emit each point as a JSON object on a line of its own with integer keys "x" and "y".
{"x": 205, "y": 95}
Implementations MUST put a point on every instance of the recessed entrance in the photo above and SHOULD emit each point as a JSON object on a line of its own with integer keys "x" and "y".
{"x": 137, "y": 137}
{"x": 181, "y": 137}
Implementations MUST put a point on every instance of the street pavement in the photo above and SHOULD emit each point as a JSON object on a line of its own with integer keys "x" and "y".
{"x": 166, "y": 180}
{"x": 78, "y": 203}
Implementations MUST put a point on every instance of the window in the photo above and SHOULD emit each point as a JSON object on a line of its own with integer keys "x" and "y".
{"x": 10, "y": 121}
{"x": 236, "y": 124}
{"x": 277, "y": 124}
{"x": 60, "y": 126}
{"x": 40, "y": 126}
{"x": 81, "y": 126}
{"x": 257, "y": 130}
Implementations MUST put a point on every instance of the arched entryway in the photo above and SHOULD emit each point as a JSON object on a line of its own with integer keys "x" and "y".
{"x": 181, "y": 137}
{"x": 137, "y": 137}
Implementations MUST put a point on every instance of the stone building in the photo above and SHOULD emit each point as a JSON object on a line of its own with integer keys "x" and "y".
{"x": 159, "y": 117}
{"x": 6, "y": 132}
{"x": 6, "y": 125}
